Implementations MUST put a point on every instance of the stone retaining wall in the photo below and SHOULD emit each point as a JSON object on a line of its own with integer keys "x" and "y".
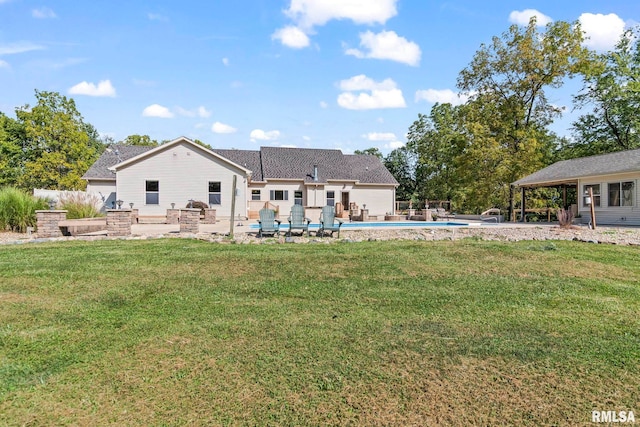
{"x": 189, "y": 220}
{"x": 119, "y": 222}
{"x": 209, "y": 216}
{"x": 48, "y": 222}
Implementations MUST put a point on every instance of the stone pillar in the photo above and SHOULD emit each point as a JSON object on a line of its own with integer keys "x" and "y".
{"x": 427, "y": 215}
{"x": 173, "y": 216}
{"x": 134, "y": 216}
{"x": 118, "y": 222}
{"x": 209, "y": 216}
{"x": 48, "y": 222}
{"x": 364, "y": 213}
{"x": 189, "y": 220}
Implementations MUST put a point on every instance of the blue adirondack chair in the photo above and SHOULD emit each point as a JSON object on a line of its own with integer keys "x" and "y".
{"x": 329, "y": 222}
{"x": 268, "y": 222}
{"x": 297, "y": 220}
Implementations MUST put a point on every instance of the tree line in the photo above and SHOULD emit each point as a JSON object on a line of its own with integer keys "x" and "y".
{"x": 469, "y": 154}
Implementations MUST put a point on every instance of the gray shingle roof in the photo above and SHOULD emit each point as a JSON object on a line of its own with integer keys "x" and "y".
{"x": 275, "y": 163}
{"x": 571, "y": 170}
{"x": 298, "y": 163}
{"x": 118, "y": 153}
{"x": 248, "y": 159}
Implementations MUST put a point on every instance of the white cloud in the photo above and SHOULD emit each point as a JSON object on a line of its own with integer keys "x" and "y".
{"x": 603, "y": 31}
{"x": 387, "y": 45}
{"x": 218, "y": 127}
{"x": 156, "y": 110}
{"x": 372, "y": 94}
{"x": 261, "y": 135}
{"x": 443, "y": 96}
{"x": 380, "y": 136}
{"x": 225, "y": 61}
{"x": 310, "y": 13}
{"x": 324, "y": 104}
{"x": 19, "y": 47}
{"x": 43, "y": 13}
{"x": 394, "y": 145}
{"x": 104, "y": 88}
{"x": 4, "y": 64}
{"x": 203, "y": 112}
{"x": 157, "y": 17}
{"x": 306, "y": 138}
{"x": 522, "y": 17}
{"x": 292, "y": 37}
{"x": 288, "y": 146}
{"x": 199, "y": 112}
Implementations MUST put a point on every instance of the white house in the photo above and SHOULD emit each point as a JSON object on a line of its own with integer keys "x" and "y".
{"x": 613, "y": 180}
{"x": 152, "y": 178}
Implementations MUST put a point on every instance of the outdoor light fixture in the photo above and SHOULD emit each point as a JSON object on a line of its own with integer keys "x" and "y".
{"x": 173, "y": 205}
{"x": 52, "y": 205}
{"x": 119, "y": 203}
{"x": 131, "y": 205}
{"x": 190, "y": 203}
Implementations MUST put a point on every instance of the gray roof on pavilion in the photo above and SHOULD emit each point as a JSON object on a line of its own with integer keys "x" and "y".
{"x": 274, "y": 163}
{"x": 571, "y": 170}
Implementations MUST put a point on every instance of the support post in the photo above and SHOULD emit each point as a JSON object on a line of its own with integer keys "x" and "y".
{"x": 523, "y": 215}
{"x": 593, "y": 209}
{"x": 233, "y": 204}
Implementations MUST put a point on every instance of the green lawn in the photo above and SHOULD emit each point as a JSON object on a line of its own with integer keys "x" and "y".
{"x": 177, "y": 332}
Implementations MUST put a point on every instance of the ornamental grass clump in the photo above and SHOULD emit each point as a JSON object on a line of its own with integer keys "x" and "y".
{"x": 80, "y": 205}
{"x": 18, "y": 209}
{"x": 565, "y": 218}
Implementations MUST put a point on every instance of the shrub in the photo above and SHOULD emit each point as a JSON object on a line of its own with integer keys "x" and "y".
{"x": 18, "y": 209}
{"x": 565, "y": 218}
{"x": 198, "y": 205}
{"x": 80, "y": 205}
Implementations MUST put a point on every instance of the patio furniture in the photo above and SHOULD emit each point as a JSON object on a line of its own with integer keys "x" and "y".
{"x": 297, "y": 220}
{"x": 268, "y": 223}
{"x": 329, "y": 222}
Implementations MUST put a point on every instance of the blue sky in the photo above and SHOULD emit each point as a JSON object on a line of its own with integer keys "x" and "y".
{"x": 346, "y": 74}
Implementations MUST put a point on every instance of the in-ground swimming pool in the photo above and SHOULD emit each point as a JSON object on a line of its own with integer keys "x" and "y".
{"x": 379, "y": 224}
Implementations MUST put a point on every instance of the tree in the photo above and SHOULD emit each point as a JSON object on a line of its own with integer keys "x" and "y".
{"x": 141, "y": 140}
{"x": 373, "y": 151}
{"x": 11, "y": 153}
{"x": 400, "y": 163}
{"x": 436, "y": 141}
{"x": 507, "y": 118}
{"x": 612, "y": 87}
{"x": 58, "y": 145}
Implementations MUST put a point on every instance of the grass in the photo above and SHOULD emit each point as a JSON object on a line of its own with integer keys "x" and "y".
{"x": 176, "y": 332}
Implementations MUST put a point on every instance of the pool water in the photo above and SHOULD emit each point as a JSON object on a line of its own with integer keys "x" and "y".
{"x": 385, "y": 224}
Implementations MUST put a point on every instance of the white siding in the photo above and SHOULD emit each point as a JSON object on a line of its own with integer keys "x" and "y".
{"x": 611, "y": 215}
{"x": 379, "y": 199}
{"x": 183, "y": 173}
{"x": 104, "y": 189}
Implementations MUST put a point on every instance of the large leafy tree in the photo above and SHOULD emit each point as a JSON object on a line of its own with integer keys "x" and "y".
{"x": 58, "y": 145}
{"x": 507, "y": 117}
{"x": 400, "y": 162}
{"x": 436, "y": 142}
{"x": 11, "y": 152}
{"x": 612, "y": 88}
{"x": 143, "y": 140}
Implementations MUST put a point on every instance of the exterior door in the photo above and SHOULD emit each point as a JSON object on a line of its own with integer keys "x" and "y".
{"x": 345, "y": 200}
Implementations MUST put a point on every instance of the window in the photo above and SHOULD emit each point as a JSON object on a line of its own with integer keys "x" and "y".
{"x": 620, "y": 194}
{"x": 297, "y": 198}
{"x": 279, "y": 195}
{"x": 152, "y": 192}
{"x": 255, "y": 194}
{"x": 596, "y": 195}
{"x": 215, "y": 196}
{"x": 331, "y": 198}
